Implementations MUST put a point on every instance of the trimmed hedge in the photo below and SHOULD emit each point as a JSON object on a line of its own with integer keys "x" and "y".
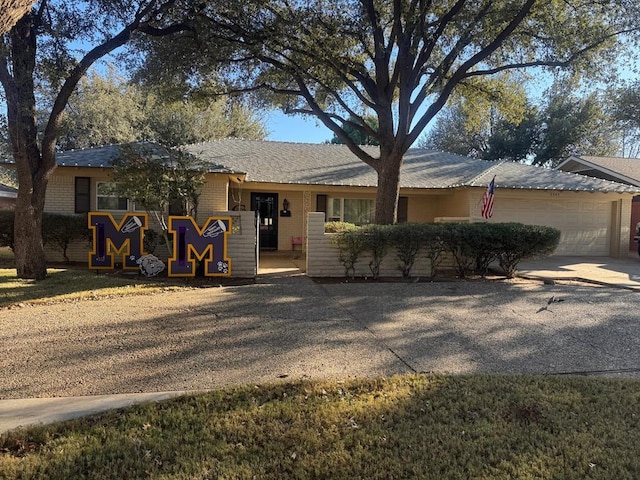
{"x": 473, "y": 246}
{"x": 339, "y": 227}
{"x": 58, "y": 230}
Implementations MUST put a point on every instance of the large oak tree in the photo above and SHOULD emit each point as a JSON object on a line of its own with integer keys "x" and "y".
{"x": 53, "y": 45}
{"x": 563, "y": 124}
{"x": 399, "y": 60}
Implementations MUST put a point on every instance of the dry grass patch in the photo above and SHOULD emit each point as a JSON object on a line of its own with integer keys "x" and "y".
{"x": 71, "y": 285}
{"x": 414, "y": 426}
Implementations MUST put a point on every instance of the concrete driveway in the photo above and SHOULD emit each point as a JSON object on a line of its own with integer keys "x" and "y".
{"x": 622, "y": 272}
{"x": 288, "y": 327}
{"x": 500, "y": 327}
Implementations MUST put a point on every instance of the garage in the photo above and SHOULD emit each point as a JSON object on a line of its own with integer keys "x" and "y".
{"x": 585, "y": 222}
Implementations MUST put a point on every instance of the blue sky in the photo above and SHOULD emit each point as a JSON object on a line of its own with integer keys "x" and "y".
{"x": 295, "y": 128}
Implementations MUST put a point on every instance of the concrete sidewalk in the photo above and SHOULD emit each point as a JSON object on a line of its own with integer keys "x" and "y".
{"x": 29, "y": 411}
{"x": 316, "y": 330}
{"x": 623, "y": 272}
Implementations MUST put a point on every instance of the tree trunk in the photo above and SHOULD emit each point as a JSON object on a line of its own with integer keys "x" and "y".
{"x": 29, "y": 249}
{"x": 12, "y": 11}
{"x": 32, "y": 172}
{"x": 388, "y": 188}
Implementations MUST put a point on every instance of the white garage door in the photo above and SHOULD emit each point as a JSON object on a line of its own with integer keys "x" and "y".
{"x": 585, "y": 224}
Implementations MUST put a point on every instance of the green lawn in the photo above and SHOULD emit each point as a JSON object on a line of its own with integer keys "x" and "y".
{"x": 413, "y": 426}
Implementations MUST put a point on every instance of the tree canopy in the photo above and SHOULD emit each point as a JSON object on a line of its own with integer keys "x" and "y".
{"x": 108, "y": 110}
{"x": 401, "y": 60}
{"x": 155, "y": 177}
{"x": 624, "y": 103}
{"x": 356, "y": 134}
{"x": 563, "y": 124}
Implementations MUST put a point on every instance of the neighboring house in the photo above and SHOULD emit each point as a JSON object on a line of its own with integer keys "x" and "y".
{"x": 617, "y": 169}
{"x": 8, "y": 197}
{"x": 285, "y": 181}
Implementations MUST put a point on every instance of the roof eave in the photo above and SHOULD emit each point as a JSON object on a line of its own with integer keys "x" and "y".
{"x": 595, "y": 166}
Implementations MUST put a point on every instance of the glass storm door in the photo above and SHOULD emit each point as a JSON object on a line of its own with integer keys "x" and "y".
{"x": 266, "y": 205}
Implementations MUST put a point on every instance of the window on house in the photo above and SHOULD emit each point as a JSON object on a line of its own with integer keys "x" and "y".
{"x": 357, "y": 211}
{"x": 82, "y": 195}
{"x": 176, "y": 207}
{"x": 107, "y": 197}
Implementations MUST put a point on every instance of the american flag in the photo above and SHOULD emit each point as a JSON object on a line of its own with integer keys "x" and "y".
{"x": 487, "y": 199}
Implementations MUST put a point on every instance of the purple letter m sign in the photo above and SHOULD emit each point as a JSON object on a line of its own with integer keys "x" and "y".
{"x": 207, "y": 244}
{"x": 111, "y": 238}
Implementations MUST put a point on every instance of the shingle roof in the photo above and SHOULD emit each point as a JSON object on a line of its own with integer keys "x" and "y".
{"x": 623, "y": 167}
{"x": 327, "y": 164}
{"x": 103, "y": 156}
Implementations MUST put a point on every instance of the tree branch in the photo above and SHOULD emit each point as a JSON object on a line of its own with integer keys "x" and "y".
{"x": 152, "y": 10}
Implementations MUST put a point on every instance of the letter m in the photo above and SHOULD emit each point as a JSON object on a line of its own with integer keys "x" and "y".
{"x": 207, "y": 244}
{"x": 111, "y": 239}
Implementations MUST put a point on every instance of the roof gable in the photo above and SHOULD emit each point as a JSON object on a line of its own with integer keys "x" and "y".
{"x": 624, "y": 170}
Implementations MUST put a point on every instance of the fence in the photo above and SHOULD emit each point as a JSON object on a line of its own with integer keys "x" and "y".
{"x": 323, "y": 256}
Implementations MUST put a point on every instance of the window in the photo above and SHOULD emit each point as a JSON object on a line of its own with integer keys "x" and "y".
{"x": 82, "y": 194}
{"x": 107, "y": 197}
{"x": 358, "y": 211}
{"x": 176, "y": 207}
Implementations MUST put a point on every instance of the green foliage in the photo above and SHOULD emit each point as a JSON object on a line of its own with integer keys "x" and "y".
{"x": 351, "y": 244}
{"x": 152, "y": 239}
{"x": 108, "y": 110}
{"x": 485, "y": 242}
{"x": 333, "y": 59}
{"x": 45, "y": 55}
{"x": 60, "y": 231}
{"x": 520, "y": 242}
{"x": 473, "y": 246}
{"x": 624, "y": 107}
{"x": 562, "y": 125}
{"x": 407, "y": 238}
{"x": 376, "y": 242}
{"x": 361, "y": 132}
{"x": 338, "y": 227}
{"x": 154, "y": 176}
{"x": 573, "y": 126}
{"x": 102, "y": 111}
{"x": 432, "y": 245}
{"x": 455, "y": 238}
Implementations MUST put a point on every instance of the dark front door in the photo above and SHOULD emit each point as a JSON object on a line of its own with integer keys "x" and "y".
{"x": 266, "y": 204}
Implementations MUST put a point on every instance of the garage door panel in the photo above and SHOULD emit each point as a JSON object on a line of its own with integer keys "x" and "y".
{"x": 584, "y": 225}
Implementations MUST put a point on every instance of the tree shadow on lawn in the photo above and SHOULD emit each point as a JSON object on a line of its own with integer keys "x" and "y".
{"x": 76, "y": 282}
